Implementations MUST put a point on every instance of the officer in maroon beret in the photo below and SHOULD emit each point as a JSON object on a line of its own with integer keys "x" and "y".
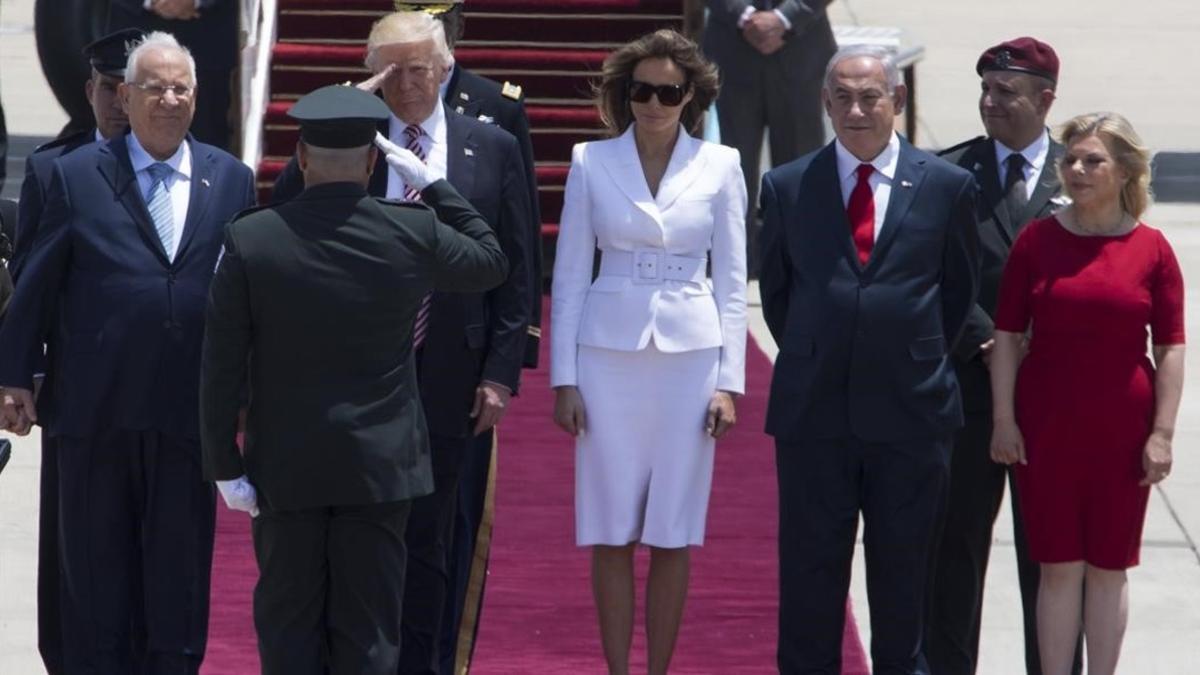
{"x": 1014, "y": 166}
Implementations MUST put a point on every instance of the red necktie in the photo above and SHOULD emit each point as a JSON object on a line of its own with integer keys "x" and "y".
{"x": 412, "y": 136}
{"x": 861, "y": 213}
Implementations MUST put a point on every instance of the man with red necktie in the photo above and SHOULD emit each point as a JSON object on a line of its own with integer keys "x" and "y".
{"x": 870, "y": 266}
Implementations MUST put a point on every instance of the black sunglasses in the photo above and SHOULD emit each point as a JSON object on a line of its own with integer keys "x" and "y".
{"x": 668, "y": 94}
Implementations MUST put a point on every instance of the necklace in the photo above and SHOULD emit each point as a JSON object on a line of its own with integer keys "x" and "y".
{"x": 1118, "y": 228}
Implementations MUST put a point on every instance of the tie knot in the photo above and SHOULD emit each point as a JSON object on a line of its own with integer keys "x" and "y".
{"x": 865, "y": 171}
{"x": 1016, "y": 162}
{"x": 159, "y": 171}
{"x": 413, "y": 131}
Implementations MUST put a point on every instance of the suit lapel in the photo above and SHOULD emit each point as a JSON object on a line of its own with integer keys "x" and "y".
{"x": 620, "y": 161}
{"x": 460, "y": 155}
{"x": 987, "y": 177}
{"x": 1047, "y": 186}
{"x": 910, "y": 175}
{"x": 827, "y": 192}
{"x": 118, "y": 170}
{"x": 685, "y": 166}
{"x": 199, "y": 195}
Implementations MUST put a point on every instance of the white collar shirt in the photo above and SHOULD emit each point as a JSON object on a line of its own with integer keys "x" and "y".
{"x": 1035, "y": 155}
{"x": 881, "y": 178}
{"x": 179, "y": 183}
{"x": 433, "y": 144}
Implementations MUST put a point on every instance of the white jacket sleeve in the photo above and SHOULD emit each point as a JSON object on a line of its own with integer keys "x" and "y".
{"x": 729, "y": 275}
{"x": 574, "y": 256}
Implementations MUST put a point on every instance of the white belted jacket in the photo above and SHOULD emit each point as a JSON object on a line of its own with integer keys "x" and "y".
{"x": 654, "y": 249}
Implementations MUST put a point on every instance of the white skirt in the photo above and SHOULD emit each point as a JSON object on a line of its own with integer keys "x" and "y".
{"x": 643, "y": 467}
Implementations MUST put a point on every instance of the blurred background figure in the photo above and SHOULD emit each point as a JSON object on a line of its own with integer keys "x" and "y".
{"x": 771, "y": 55}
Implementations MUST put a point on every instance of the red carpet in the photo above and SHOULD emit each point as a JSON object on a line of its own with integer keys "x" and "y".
{"x": 537, "y": 613}
{"x": 232, "y": 647}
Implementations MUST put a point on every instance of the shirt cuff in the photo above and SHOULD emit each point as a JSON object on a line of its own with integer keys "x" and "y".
{"x": 498, "y": 386}
{"x": 741, "y": 22}
{"x": 787, "y": 25}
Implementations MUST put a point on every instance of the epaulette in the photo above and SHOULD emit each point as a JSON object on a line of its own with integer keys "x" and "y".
{"x": 253, "y": 209}
{"x": 510, "y": 90}
{"x": 64, "y": 140}
{"x": 954, "y": 148}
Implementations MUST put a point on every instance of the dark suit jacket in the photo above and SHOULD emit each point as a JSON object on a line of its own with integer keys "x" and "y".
{"x": 998, "y": 230}
{"x": 39, "y": 167}
{"x": 316, "y": 298}
{"x": 212, "y": 38}
{"x": 477, "y": 96}
{"x": 472, "y": 336}
{"x": 864, "y": 352}
{"x": 804, "y": 55}
{"x": 126, "y": 320}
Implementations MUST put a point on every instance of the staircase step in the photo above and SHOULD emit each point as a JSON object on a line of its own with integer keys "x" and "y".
{"x": 507, "y": 6}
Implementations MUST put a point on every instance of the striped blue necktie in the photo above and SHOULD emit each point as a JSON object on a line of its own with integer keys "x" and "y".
{"x": 412, "y": 140}
{"x": 159, "y": 204}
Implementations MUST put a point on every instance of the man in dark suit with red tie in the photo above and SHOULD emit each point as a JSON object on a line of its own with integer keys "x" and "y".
{"x": 870, "y": 266}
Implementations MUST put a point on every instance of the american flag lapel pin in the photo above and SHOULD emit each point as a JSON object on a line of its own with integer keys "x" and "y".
{"x": 468, "y": 152}
{"x": 905, "y": 184}
{"x": 205, "y": 183}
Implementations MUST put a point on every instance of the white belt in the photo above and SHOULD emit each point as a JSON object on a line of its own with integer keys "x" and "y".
{"x": 652, "y": 266}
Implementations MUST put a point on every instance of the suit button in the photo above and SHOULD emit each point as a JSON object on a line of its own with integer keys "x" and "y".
{"x": 863, "y": 283}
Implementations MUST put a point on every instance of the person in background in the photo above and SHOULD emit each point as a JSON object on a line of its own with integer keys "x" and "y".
{"x": 335, "y": 452}
{"x": 1085, "y": 415}
{"x": 116, "y": 281}
{"x": 661, "y": 205}
{"x": 1015, "y": 168}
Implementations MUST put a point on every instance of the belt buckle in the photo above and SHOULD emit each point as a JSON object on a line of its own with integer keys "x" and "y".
{"x": 647, "y": 266}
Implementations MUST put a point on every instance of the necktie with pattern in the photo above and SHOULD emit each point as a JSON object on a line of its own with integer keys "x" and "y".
{"x": 412, "y": 140}
{"x": 860, "y": 211}
{"x": 159, "y": 204}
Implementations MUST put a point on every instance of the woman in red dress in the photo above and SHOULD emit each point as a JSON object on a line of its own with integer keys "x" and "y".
{"x": 1088, "y": 417}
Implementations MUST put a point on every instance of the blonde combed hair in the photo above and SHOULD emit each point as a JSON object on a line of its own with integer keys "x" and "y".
{"x": 407, "y": 28}
{"x": 1126, "y": 147}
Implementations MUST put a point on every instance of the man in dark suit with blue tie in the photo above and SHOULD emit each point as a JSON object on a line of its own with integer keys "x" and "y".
{"x": 117, "y": 280}
{"x": 470, "y": 353}
{"x": 870, "y": 267}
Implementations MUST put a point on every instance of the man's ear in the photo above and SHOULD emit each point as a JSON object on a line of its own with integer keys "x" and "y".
{"x": 900, "y": 98}
{"x": 302, "y": 156}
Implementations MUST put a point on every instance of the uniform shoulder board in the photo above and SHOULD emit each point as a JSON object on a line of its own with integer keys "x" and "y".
{"x": 65, "y": 140}
{"x": 253, "y": 209}
{"x": 510, "y": 90}
{"x": 961, "y": 146}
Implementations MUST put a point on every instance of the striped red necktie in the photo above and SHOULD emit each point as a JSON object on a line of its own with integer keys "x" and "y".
{"x": 412, "y": 140}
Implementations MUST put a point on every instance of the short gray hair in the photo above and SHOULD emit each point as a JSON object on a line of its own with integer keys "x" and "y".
{"x": 883, "y": 55}
{"x": 157, "y": 40}
{"x": 407, "y": 28}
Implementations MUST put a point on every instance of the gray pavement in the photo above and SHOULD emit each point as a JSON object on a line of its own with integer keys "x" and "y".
{"x": 1136, "y": 59}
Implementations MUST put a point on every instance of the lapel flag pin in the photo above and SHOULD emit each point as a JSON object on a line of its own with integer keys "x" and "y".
{"x": 468, "y": 152}
{"x": 463, "y": 96}
{"x": 905, "y": 183}
{"x": 204, "y": 182}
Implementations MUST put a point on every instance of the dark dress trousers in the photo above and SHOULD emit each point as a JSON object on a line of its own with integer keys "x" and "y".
{"x": 471, "y": 337}
{"x": 977, "y": 483}
{"x": 39, "y": 167}
{"x": 864, "y": 397}
{"x": 120, "y": 398}
{"x": 315, "y": 300}
{"x": 212, "y": 38}
{"x": 781, "y": 92}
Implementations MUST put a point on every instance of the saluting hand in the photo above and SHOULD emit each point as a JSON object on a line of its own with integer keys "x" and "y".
{"x": 568, "y": 410}
{"x": 1008, "y": 446}
{"x": 374, "y": 82}
{"x": 491, "y": 400}
{"x": 408, "y": 166}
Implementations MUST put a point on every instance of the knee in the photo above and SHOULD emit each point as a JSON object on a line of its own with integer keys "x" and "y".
{"x": 1100, "y": 577}
{"x": 669, "y": 554}
{"x": 606, "y": 553}
{"x": 1062, "y": 575}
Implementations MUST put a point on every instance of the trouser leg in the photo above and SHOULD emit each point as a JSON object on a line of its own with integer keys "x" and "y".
{"x": 290, "y": 596}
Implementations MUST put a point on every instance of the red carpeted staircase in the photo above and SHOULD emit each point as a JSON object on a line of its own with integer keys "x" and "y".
{"x": 551, "y": 48}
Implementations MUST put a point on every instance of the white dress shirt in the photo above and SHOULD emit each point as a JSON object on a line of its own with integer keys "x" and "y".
{"x": 433, "y": 144}
{"x": 1035, "y": 158}
{"x": 179, "y": 184}
{"x": 881, "y": 179}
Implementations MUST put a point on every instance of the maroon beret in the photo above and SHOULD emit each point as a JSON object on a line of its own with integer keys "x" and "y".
{"x": 1024, "y": 54}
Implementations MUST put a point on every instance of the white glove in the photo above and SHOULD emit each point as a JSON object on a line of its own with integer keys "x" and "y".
{"x": 239, "y": 495}
{"x": 408, "y": 166}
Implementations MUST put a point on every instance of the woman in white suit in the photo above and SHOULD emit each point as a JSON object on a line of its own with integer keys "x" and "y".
{"x": 646, "y": 361}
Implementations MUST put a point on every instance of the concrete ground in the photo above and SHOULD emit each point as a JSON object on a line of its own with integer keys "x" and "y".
{"x": 1134, "y": 59}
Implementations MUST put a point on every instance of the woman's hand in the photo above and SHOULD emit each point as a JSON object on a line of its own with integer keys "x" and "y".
{"x": 568, "y": 410}
{"x": 1008, "y": 447}
{"x": 722, "y": 414}
{"x": 1156, "y": 458}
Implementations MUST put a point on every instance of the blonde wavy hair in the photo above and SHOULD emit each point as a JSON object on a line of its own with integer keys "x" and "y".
{"x": 1126, "y": 147}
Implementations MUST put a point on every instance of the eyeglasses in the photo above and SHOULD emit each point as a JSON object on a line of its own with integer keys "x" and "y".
{"x": 668, "y": 94}
{"x": 160, "y": 90}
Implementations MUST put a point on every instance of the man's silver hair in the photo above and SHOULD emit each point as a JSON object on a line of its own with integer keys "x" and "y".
{"x": 407, "y": 28}
{"x": 158, "y": 40}
{"x": 881, "y": 54}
